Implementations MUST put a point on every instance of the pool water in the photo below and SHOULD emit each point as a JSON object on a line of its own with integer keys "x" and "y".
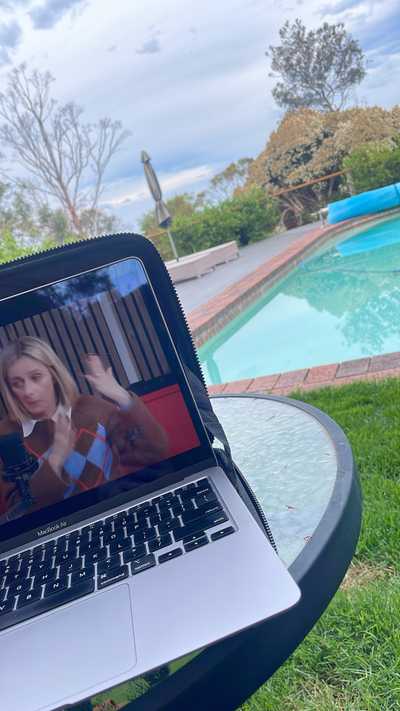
{"x": 341, "y": 303}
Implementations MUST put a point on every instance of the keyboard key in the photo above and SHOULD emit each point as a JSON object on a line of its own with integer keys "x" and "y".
{"x": 138, "y": 566}
{"x": 170, "y": 525}
{"x": 61, "y": 544}
{"x": 189, "y": 516}
{"x": 38, "y": 567}
{"x": 65, "y": 557}
{"x": 134, "y": 553}
{"x": 21, "y": 586}
{"x": 13, "y": 577}
{"x": 14, "y": 559}
{"x": 200, "y": 524}
{"x": 10, "y": 568}
{"x": 212, "y": 507}
{"x": 170, "y": 555}
{"x": 149, "y": 534}
{"x": 166, "y": 515}
{"x": 46, "y": 577}
{"x": 71, "y": 566}
{"x": 188, "y": 505}
{"x": 214, "y": 519}
{"x": 108, "y": 564}
{"x": 198, "y": 543}
{"x": 186, "y": 492}
{"x": 193, "y": 536}
{"x": 6, "y": 607}
{"x": 96, "y": 556}
{"x": 83, "y": 575}
{"x": 222, "y": 533}
{"x": 28, "y": 597}
{"x": 134, "y": 528}
{"x": 203, "y": 485}
{"x": 114, "y": 575}
{"x": 157, "y": 543}
{"x": 120, "y": 546}
{"x": 205, "y": 497}
{"x": 9, "y": 618}
{"x": 55, "y": 586}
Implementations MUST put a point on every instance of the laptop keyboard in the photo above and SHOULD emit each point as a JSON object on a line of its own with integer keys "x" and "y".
{"x": 108, "y": 551}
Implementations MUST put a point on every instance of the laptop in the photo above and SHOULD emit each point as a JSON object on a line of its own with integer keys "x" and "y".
{"x": 123, "y": 545}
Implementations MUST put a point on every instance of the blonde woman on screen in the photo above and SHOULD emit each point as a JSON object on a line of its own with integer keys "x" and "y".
{"x": 79, "y": 441}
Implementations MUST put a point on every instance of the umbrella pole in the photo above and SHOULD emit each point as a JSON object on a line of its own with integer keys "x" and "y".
{"x": 172, "y": 243}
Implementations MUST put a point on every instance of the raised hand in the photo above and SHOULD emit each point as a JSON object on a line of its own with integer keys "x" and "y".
{"x": 104, "y": 382}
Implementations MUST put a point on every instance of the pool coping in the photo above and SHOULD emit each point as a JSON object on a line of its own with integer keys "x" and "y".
{"x": 372, "y": 368}
{"x": 207, "y": 320}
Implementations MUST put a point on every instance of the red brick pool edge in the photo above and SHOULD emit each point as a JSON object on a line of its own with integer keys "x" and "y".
{"x": 374, "y": 368}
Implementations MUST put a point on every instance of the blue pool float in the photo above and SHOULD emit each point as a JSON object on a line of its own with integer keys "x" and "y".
{"x": 365, "y": 204}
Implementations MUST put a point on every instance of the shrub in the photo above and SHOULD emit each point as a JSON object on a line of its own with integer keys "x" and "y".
{"x": 9, "y": 247}
{"x": 373, "y": 165}
{"x": 246, "y": 217}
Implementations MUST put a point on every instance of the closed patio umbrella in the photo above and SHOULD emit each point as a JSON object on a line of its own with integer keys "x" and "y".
{"x": 163, "y": 217}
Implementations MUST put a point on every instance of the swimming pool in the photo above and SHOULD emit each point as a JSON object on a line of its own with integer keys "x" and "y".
{"x": 341, "y": 303}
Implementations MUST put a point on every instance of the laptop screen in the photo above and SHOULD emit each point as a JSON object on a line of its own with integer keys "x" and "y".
{"x": 93, "y": 399}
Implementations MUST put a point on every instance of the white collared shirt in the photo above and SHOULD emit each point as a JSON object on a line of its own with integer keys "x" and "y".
{"x": 29, "y": 425}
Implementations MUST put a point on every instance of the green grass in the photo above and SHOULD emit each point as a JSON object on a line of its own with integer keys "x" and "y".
{"x": 351, "y": 659}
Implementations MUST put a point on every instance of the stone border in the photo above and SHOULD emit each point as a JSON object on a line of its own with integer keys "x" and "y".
{"x": 374, "y": 368}
{"x": 207, "y": 320}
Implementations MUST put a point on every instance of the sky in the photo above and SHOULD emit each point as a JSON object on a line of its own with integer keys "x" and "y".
{"x": 189, "y": 80}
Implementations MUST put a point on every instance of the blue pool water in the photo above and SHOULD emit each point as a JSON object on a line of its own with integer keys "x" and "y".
{"x": 342, "y": 303}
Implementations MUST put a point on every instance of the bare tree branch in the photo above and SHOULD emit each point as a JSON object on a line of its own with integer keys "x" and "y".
{"x": 60, "y": 153}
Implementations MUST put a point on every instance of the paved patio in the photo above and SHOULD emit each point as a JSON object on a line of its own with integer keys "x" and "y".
{"x": 196, "y": 292}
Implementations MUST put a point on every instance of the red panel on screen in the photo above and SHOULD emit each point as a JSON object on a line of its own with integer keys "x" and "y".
{"x": 168, "y": 407}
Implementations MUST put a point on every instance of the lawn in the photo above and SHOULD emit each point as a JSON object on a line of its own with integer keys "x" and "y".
{"x": 351, "y": 659}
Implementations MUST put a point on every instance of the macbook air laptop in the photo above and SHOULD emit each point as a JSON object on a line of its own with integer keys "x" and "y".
{"x": 123, "y": 545}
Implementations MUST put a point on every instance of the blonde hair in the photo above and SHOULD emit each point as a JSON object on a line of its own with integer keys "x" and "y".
{"x": 64, "y": 386}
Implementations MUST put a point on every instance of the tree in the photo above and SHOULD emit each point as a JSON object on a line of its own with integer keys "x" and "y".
{"x": 60, "y": 153}
{"x": 179, "y": 205}
{"x": 310, "y": 144}
{"x": 224, "y": 184}
{"x": 317, "y": 69}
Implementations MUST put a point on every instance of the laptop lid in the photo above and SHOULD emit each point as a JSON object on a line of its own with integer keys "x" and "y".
{"x": 108, "y": 318}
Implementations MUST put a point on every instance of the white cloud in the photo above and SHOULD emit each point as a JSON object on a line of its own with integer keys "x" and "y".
{"x": 181, "y": 181}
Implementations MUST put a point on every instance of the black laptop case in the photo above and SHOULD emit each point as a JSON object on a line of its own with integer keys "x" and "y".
{"x": 66, "y": 259}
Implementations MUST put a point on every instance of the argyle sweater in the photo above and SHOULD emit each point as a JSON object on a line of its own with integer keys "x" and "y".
{"x": 102, "y": 450}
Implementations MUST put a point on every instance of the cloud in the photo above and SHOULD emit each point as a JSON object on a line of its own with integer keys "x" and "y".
{"x": 339, "y": 7}
{"x": 47, "y": 15}
{"x": 10, "y": 38}
{"x": 150, "y": 47}
{"x": 179, "y": 181}
{"x": 9, "y": 5}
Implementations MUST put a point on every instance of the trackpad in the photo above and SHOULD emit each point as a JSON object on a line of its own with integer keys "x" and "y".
{"x": 46, "y": 662}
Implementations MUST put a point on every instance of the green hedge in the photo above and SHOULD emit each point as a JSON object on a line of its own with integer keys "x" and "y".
{"x": 373, "y": 166}
{"x": 248, "y": 217}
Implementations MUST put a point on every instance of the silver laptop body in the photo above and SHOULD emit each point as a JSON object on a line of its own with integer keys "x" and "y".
{"x": 189, "y": 593}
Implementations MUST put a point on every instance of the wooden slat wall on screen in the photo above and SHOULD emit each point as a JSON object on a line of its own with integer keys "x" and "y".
{"x": 118, "y": 329}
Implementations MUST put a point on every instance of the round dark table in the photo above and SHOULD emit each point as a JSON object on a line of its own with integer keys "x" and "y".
{"x": 300, "y": 466}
